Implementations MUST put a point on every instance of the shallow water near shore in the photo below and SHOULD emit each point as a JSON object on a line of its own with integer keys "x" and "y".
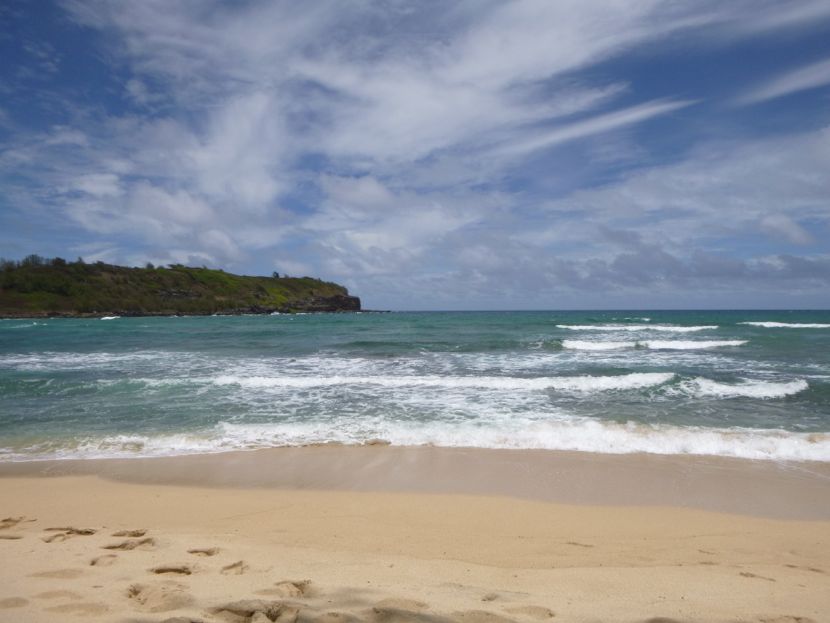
{"x": 730, "y": 383}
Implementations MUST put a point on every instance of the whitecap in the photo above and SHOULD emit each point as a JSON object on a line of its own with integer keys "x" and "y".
{"x": 586, "y": 383}
{"x": 636, "y": 327}
{"x": 531, "y": 432}
{"x": 689, "y": 344}
{"x": 746, "y": 388}
{"x": 590, "y": 345}
{"x": 788, "y": 325}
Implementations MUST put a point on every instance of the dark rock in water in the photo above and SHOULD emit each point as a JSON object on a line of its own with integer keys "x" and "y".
{"x": 338, "y": 302}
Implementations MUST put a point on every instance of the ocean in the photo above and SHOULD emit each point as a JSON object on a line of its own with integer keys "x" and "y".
{"x": 749, "y": 384}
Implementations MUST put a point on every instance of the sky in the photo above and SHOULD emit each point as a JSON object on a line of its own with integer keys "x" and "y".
{"x": 564, "y": 154}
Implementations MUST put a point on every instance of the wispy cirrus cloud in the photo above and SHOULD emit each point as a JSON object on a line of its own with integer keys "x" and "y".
{"x": 404, "y": 155}
{"x": 811, "y": 76}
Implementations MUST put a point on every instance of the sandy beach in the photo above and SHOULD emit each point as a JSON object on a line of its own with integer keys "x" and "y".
{"x": 336, "y": 533}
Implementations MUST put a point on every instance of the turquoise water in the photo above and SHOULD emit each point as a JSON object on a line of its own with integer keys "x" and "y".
{"x": 661, "y": 382}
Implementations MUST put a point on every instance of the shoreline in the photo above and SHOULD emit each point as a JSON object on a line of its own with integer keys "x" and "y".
{"x": 761, "y": 488}
{"x": 383, "y": 535}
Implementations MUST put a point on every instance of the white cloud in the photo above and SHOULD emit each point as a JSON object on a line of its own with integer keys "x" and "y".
{"x": 99, "y": 184}
{"x": 782, "y": 226}
{"x": 592, "y": 126}
{"x": 809, "y": 77}
{"x": 373, "y": 143}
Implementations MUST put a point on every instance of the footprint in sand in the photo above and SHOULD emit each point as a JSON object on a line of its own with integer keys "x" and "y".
{"x": 292, "y": 588}
{"x": 747, "y": 574}
{"x": 173, "y": 569}
{"x": 107, "y": 560}
{"x": 237, "y": 568}
{"x": 131, "y": 533}
{"x": 204, "y": 551}
{"x": 13, "y": 602}
{"x": 288, "y": 588}
{"x": 74, "y": 531}
{"x": 534, "y": 612}
{"x": 148, "y": 543}
{"x": 59, "y": 574}
{"x": 787, "y": 618}
{"x": 259, "y": 611}
{"x": 160, "y": 597}
{"x": 813, "y": 569}
{"x": 61, "y": 534}
{"x": 11, "y": 522}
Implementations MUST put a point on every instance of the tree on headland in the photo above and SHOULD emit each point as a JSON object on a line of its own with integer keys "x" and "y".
{"x": 52, "y": 286}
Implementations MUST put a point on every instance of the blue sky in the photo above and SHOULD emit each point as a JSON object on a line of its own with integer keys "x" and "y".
{"x": 431, "y": 155}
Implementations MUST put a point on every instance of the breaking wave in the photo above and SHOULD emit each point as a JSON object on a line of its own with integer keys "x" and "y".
{"x": 636, "y": 327}
{"x": 747, "y": 388}
{"x": 652, "y": 344}
{"x": 788, "y": 325}
{"x": 586, "y": 383}
{"x": 575, "y": 434}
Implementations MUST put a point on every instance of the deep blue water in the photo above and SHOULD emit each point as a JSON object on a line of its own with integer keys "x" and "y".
{"x": 665, "y": 382}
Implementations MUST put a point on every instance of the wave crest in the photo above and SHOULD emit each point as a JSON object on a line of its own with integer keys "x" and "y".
{"x": 574, "y": 434}
{"x": 636, "y": 327}
{"x": 586, "y": 383}
{"x": 651, "y": 344}
{"x": 747, "y": 389}
{"x": 788, "y": 325}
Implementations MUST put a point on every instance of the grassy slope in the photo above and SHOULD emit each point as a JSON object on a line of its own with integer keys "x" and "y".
{"x": 102, "y": 288}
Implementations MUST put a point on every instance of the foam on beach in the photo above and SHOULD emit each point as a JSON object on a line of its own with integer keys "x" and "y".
{"x": 570, "y": 434}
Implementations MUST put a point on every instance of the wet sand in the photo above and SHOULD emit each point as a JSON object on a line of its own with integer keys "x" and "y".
{"x": 419, "y": 534}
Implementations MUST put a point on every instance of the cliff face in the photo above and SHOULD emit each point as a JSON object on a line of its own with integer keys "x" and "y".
{"x": 58, "y": 288}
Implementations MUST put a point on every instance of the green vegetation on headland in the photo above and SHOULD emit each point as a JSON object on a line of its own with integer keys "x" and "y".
{"x": 36, "y": 287}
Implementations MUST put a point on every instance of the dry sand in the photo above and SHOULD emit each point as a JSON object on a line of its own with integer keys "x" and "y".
{"x": 223, "y": 538}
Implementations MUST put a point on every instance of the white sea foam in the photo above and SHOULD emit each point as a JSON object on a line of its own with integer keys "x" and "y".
{"x": 789, "y": 325}
{"x": 23, "y": 326}
{"x": 636, "y": 327}
{"x": 72, "y": 360}
{"x": 589, "y": 345}
{"x": 689, "y": 344}
{"x": 579, "y": 434}
{"x": 109, "y": 317}
{"x": 585, "y": 383}
{"x": 747, "y": 388}
{"x": 652, "y": 344}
